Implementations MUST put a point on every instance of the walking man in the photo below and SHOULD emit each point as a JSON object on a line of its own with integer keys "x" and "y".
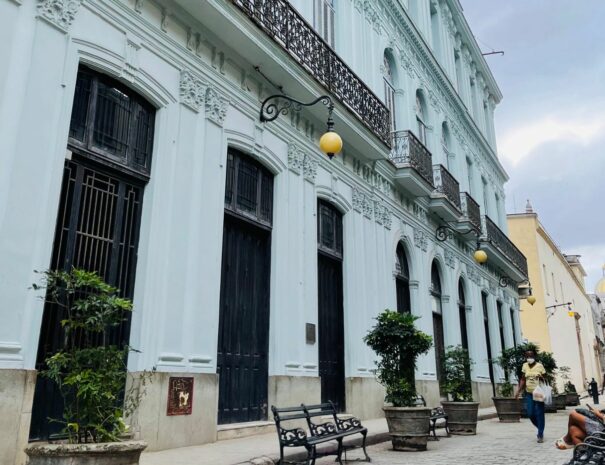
{"x": 594, "y": 391}
{"x": 533, "y": 372}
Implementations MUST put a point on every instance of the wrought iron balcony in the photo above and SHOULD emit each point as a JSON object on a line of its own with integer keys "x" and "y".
{"x": 470, "y": 210}
{"x": 447, "y": 185}
{"x": 495, "y": 236}
{"x": 408, "y": 151}
{"x": 280, "y": 21}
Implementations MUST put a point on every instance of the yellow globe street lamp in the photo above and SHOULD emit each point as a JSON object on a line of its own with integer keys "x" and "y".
{"x": 531, "y": 300}
{"x": 330, "y": 142}
{"x": 480, "y": 256}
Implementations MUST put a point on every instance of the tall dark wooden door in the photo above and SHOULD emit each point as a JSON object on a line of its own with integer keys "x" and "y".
{"x": 111, "y": 140}
{"x": 97, "y": 229}
{"x": 243, "y": 340}
{"x": 244, "y": 323}
{"x": 331, "y": 331}
{"x": 330, "y": 306}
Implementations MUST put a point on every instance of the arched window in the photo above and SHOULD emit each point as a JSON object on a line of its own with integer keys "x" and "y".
{"x": 435, "y": 31}
{"x": 462, "y": 314}
{"x": 323, "y": 19}
{"x": 389, "y": 86}
{"x": 421, "y": 122}
{"x": 446, "y": 143}
{"x": 402, "y": 281}
{"x": 437, "y": 309}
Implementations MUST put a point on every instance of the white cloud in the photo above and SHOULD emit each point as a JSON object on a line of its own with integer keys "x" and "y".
{"x": 520, "y": 141}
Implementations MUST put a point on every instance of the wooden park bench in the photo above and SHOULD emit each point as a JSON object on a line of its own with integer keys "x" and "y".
{"x": 318, "y": 432}
{"x": 439, "y": 418}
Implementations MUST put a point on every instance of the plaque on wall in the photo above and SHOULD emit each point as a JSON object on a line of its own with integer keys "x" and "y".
{"x": 180, "y": 396}
{"x": 310, "y": 333}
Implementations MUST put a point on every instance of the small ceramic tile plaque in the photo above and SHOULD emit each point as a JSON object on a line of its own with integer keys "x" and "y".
{"x": 180, "y": 396}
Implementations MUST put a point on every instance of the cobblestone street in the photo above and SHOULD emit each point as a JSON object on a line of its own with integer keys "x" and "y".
{"x": 495, "y": 444}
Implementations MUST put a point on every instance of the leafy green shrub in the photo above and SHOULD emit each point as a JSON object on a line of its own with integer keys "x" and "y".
{"x": 457, "y": 370}
{"x": 398, "y": 344}
{"x": 89, "y": 371}
{"x": 506, "y": 389}
{"x": 512, "y": 359}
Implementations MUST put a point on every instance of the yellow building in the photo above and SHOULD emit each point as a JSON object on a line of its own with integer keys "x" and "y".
{"x": 561, "y": 319}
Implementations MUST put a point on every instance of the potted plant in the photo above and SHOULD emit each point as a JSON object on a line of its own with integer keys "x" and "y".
{"x": 511, "y": 360}
{"x": 572, "y": 397}
{"x": 398, "y": 343}
{"x": 507, "y": 405}
{"x": 461, "y": 410}
{"x": 90, "y": 373}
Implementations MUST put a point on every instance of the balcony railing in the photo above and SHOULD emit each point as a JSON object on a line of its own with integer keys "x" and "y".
{"x": 471, "y": 210}
{"x": 497, "y": 238}
{"x": 408, "y": 150}
{"x": 447, "y": 185}
{"x": 280, "y": 21}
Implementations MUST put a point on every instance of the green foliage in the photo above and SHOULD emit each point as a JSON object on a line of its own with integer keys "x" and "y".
{"x": 398, "y": 344}
{"x": 457, "y": 370}
{"x": 512, "y": 359}
{"x": 89, "y": 371}
{"x": 506, "y": 389}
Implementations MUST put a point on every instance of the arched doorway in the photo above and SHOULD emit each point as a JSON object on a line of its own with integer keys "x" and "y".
{"x": 330, "y": 305}
{"x": 243, "y": 342}
{"x": 97, "y": 229}
{"x": 402, "y": 281}
{"x": 462, "y": 314}
{"x": 437, "y": 310}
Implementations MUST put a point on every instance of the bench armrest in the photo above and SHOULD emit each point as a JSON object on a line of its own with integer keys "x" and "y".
{"x": 292, "y": 437}
{"x": 346, "y": 424}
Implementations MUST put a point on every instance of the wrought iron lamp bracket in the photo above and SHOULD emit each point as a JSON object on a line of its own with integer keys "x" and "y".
{"x": 446, "y": 231}
{"x": 280, "y": 104}
{"x": 505, "y": 281}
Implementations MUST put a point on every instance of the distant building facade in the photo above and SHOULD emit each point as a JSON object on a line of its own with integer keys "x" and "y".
{"x": 561, "y": 320}
{"x": 131, "y": 144}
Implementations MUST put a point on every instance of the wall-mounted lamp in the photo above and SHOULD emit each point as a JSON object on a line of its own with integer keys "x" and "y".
{"x": 480, "y": 256}
{"x": 330, "y": 142}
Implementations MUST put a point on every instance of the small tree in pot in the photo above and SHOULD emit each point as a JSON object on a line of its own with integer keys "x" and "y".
{"x": 462, "y": 411}
{"x": 90, "y": 373}
{"x": 511, "y": 360}
{"x": 398, "y": 344}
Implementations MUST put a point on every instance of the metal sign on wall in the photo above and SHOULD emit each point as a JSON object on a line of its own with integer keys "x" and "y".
{"x": 180, "y": 396}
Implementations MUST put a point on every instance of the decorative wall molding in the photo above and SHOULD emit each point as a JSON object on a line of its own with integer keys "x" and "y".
{"x": 310, "y": 163}
{"x": 421, "y": 239}
{"x": 450, "y": 258}
{"x": 295, "y": 158}
{"x": 192, "y": 90}
{"x": 382, "y": 213}
{"x": 59, "y": 13}
{"x": 216, "y": 106}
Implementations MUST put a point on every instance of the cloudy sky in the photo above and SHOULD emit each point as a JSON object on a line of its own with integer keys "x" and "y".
{"x": 551, "y": 122}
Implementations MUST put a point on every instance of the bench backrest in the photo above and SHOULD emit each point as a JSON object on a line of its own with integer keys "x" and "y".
{"x": 420, "y": 402}
{"x": 321, "y": 410}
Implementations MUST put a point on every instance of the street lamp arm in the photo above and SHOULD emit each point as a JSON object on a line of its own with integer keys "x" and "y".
{"x": 280, "y": 104}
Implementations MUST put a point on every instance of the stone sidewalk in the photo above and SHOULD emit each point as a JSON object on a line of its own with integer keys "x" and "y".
{"x": 495, "y": 444}
{"x": 261, "y": 449}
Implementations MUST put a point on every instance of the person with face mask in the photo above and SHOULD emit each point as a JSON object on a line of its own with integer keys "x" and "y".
{"x": 533, "y": 372}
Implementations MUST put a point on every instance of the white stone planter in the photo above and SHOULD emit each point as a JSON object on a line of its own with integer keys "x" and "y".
{"x": 106, "y": 453}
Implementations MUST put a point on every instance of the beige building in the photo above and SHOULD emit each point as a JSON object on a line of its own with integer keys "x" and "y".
{"x": 561, "y": 319}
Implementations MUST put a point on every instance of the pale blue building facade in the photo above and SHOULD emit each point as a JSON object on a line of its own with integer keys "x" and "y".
{"x": 416, "y": 190}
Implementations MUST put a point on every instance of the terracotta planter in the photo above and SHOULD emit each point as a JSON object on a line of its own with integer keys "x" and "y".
{"x": 560, "y": 401}
{"x": 462, "y": 417}
{"x": 408, "y": 427}
{"x": 508, "y": 408}
{"x": 107, "y": 453}
{"x": 573, "y": 398}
